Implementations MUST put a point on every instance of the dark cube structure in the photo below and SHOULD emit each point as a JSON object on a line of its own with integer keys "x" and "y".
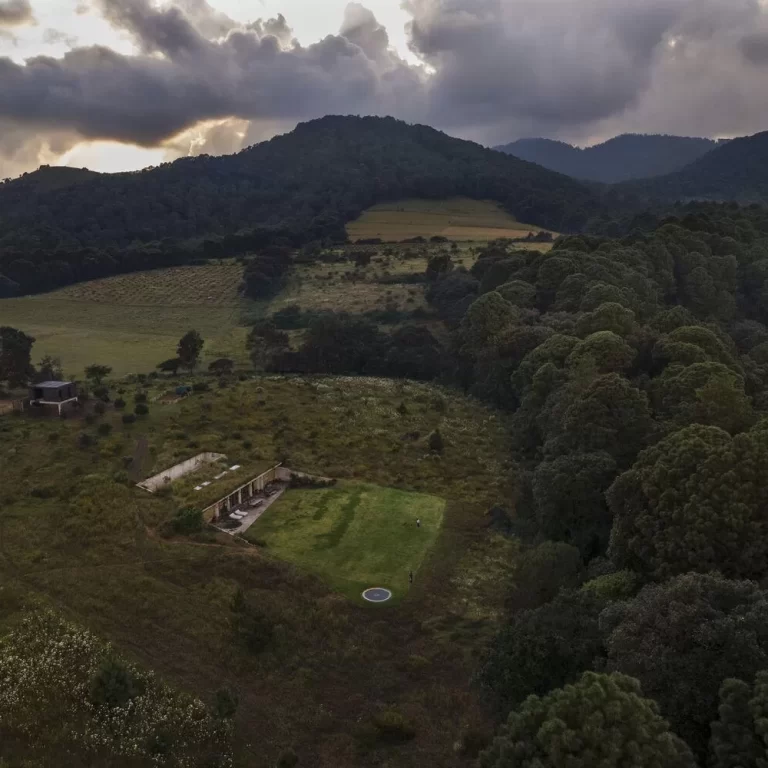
{"x": 53, "y": 393}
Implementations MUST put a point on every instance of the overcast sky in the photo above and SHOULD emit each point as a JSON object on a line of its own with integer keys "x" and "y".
{"x": 121, "y": 84}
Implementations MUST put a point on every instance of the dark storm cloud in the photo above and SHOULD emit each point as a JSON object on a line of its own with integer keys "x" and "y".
{"x": 755, "y": 49}
{"x": 13, "y": 12}
{"x": 493, "y": 70}
{"x": 182, "y": 77}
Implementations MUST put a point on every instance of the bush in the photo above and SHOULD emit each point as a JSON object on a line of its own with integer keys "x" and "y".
{"x": 200, "y": 386}
{"x": 53, "y": 437}
{"x": 392, "y": 727}
{"x": 253, "y": 629}
{"x": 100, "y": 408}
{"x": 141, "y": 409}
{"x": 119, "y": 404}
{"x": 436, "y": 442}
{"x": 141, "y": 397}
{"x": 287, "y": 759}
{"x": 113, "y": 685}
{"x": 104, "y": 429}
{"x": 129, "y": 418}
{"x": 188, "y": 521}
{"x": 84, "y": 440}
{"x": 226, "y": 703}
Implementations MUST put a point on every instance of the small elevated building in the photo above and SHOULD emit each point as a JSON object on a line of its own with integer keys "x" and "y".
{"x": 58, "y": 394}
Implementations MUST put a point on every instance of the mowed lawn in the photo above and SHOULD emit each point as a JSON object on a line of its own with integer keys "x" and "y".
{"x": 458, "y": 219}
{"x": 354, "y": 536}
{"x": 133, "y": 322}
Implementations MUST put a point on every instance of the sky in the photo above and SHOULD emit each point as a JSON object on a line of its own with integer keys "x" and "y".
{"x": 121, "y": 84}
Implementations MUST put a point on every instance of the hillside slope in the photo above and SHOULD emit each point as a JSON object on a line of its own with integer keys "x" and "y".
{"x": 736, "y": 171}
{"x": 630, "y": 156}
{"x": 305, "y": 184}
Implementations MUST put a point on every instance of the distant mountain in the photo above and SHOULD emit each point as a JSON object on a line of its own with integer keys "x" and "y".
{"x": 631, "y": 156}
{"x": 737, "y": 170}
{"x": 296, "y": 188}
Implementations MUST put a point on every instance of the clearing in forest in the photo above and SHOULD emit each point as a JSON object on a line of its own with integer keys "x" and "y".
{"x": 133, "y": 322}
{"x": 459, "y": 219}
{"x": 354, "y": 536}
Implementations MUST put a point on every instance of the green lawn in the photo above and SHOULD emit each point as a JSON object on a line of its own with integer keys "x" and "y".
{"x": 355, "y": 535}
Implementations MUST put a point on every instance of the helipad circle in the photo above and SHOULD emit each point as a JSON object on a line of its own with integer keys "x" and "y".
{"x": 377, "y": 595}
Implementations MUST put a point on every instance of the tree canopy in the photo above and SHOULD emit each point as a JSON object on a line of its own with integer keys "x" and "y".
{"x": 602, "y": 720}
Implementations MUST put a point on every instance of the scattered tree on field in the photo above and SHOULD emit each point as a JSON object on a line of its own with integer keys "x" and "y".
{"x": 170, "y": 366}
{"x": 97, "y": 373}
{"x": 436, "y": 442}
{"x": 222, "y": 367}
{"x": 49, "y": 369}
{"x": 15, "y": 356}
{"x": 189, "y": 349}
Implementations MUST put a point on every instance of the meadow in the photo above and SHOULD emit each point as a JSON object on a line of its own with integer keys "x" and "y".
{"x": 77, "y": 535}
{"x": 459, "y": 219}
{"x": 133, "y": 322}
{"x": 355, "y": 536}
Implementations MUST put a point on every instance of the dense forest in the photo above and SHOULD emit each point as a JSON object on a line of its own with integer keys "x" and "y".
{"x": 637, "y": 373}
{"x": 626, "y": 157}
{"x": 733, "y": 171}
{"x": 297, "y": 188}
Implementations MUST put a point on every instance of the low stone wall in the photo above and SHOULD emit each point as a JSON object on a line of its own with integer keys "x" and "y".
{"x": 167, "y": 476}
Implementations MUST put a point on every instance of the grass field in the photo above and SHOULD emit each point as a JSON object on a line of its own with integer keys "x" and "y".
{"x": 77, "y": 535}
{"x": 133, "y": 322}
{"x": 354, "y": 536}
{"x": 459, "y": 219}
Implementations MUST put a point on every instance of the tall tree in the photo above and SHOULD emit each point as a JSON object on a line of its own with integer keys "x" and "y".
{"x": 49, "y": 369}
{"x": 15, "y": 356}
{"x": 734, "y": 743}
{"x": 681, "y": 639}
{"x": 97, "y": 373}
{"x": 602, "y": 720}
{"x": 694, "y": 502}
{"x": 189, "y": 349}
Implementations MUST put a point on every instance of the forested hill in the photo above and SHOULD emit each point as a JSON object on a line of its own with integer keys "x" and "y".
{"x": 737, "y": 171}
{"x": 631, "y": 156}
{"x": 305, "y": 185}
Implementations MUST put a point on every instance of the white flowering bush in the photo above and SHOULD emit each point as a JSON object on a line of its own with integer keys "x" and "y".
{"x": 49, "y": 670}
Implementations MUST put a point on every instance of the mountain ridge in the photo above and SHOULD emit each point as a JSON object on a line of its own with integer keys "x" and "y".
{"x": 623, "y": 158}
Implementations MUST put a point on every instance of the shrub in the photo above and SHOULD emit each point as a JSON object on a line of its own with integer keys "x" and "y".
{"x": 253, "y": 629}
{"x": 100, "y": 408}
{"x": 436, "y": 442}
{"x": 226, "y": 703}
{"x": 188, "y": 521}
{"x": 53, "y": 437}
{"x": 392, "y": 726}
{"x": 129, "y": 418}
{"x": 84, "y": 440}
{"x": 287, "y": 759}
{"x": 113, "y": 685}
{"x": 141, "y": 397}
{"x": 119, "y": 404}
{"x": 141, "y": 409}
{"x": 104, "y": 429}
{"x": 200, "y": 386}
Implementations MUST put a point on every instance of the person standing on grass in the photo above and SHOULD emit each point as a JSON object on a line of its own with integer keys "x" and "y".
{"x": 418, "y": 522}
{"x": 410, "y": 577}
